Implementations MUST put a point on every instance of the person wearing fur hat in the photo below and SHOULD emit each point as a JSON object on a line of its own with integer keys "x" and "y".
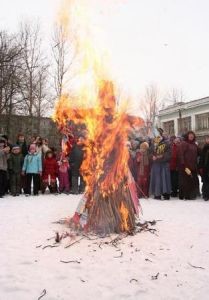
{"x": 4, "y": 151}
{"x": 15, "y": 163}
{"x": 50, "y": 172}
{"x": 143, "y": 170}
{"x": 32, "y": 168}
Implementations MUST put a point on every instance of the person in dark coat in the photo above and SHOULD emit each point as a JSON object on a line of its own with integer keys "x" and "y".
{"x": 15, "y": 163}
{"x": 174, "y": 166}
{"x": 204, "y": 169}
{"x": 24, "y": 150}
{"x": 160, "y": 183}
{"x": 188, "y": 170}
{"x": 75, "y": 159}
{"x": 22, "y": 143}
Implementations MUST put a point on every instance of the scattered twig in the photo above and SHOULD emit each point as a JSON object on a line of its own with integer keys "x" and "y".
{"x": 133, "y": 280}
{"x": 70, "y": 261}
{"x": 196, "y": 267}
{"x": 89, "y": 238}
{"x": 50, "y": 246}
{"x": 39, "y": 246}
{"x": 42, "y": 295}
{"x": 121, "y": 254}
{"x": 68, "y": 246}
{"x": 147, "y": 259}
{"x": 155, "y": 277}
{"x": 58, "y": 237}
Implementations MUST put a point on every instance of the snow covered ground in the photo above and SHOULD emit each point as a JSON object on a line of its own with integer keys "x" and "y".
{"x": 26, "y": 269}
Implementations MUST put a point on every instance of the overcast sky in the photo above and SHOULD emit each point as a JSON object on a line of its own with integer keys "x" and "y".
{"x": 165, "y": 42}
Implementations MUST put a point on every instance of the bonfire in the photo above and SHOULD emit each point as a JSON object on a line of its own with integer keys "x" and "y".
{"x": 110, "y": 202}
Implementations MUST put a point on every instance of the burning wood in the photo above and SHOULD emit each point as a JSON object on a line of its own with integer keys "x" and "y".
{"x": 110, "y": 202}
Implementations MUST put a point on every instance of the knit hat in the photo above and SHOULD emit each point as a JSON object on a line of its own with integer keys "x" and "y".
{"x": 32, "y": 147}
{"x": 15, "y": 147}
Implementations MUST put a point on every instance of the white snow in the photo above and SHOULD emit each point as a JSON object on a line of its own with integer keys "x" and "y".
{"x": 25, "y": 271}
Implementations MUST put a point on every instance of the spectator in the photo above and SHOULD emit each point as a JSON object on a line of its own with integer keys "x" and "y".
{"x": 50, "y": 173}
{"x": 174, "y": 167}
{"x": 143, "y": 170}
{"x": 39, "y": 145}
{"x": 4, "y": 151}
{"x": 75, "y": 159}
{"x": 15, "y": 164}
{"x": 160, "y": 184}
{"x": 32, "y": 167}
{"x": 22, "y": 143}
{"x": 188, "y": 177}
{"x": 45, "y": 146}
{"x": 64, "y": 183}
{"x": 204, "y": 169}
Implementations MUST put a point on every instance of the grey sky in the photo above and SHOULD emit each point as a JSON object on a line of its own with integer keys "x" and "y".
{"x": 152, "y": 41}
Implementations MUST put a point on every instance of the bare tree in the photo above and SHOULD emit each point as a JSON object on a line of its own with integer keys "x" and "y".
{"x": 34, "y": 74}
{"x": 175, "y": 96}
{"x": 9, "y": 65}
{"x": 151, "y": 105}
{"x": 64, "y": 54}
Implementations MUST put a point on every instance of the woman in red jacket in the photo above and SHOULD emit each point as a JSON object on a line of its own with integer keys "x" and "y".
{"x": 50, "y": 173}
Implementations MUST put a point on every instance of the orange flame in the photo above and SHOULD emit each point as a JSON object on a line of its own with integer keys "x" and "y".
{"x": 124, "y": 216}
{"x": 105, "y": 166}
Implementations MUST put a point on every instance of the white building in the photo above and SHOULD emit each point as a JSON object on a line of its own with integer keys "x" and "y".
{"x": 179, "y": 118}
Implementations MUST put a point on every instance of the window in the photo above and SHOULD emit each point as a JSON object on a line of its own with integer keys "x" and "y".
{"x": 184, "y": 125}
{"x": 202, "y": 121}
{"x": 169, "y": 127}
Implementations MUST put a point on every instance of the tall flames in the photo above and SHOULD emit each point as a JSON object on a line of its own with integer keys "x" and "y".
{"x": 110, "y": 199}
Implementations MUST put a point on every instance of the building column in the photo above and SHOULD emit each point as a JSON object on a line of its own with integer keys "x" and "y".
{"x": 176, "y": 126}
{"x": 193, "y": 122}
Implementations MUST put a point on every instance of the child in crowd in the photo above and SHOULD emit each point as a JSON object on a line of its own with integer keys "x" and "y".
{"x": 15, "y": 164}
{"x": 32, "y": 167}
{"x": 143, "y": 170}
{"x": 50, "y": 173}
{"x": 64, "y": 183}
{"x": 4, "y": 150}
{"x": 76, "y": 158}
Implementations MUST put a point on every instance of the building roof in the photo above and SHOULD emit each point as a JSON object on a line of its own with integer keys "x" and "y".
{"x": 184, "y": 105}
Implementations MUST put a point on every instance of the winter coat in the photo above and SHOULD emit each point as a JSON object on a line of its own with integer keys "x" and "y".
{"x": 76, "y": 159}
{"x": 160, "y": 182}
{"x": 174, "y": 155}
{"x": 32, "y": 163}
{"x": 204, "y": 160}
{"x": 3, "y": 161}
{"x": 50, "y": 167}
{"x": 24, "y": 148}
{"x": 188, "y": 155}
{"x": 15, "y": 163}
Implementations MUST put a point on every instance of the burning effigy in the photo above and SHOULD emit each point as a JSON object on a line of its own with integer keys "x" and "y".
{"x": 110, "y": 203}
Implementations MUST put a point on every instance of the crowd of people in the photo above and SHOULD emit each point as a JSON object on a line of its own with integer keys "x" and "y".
{"x": 162, "y": 167}
{"x": 166, "y": 167}
{"x": 35, "y": 167}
